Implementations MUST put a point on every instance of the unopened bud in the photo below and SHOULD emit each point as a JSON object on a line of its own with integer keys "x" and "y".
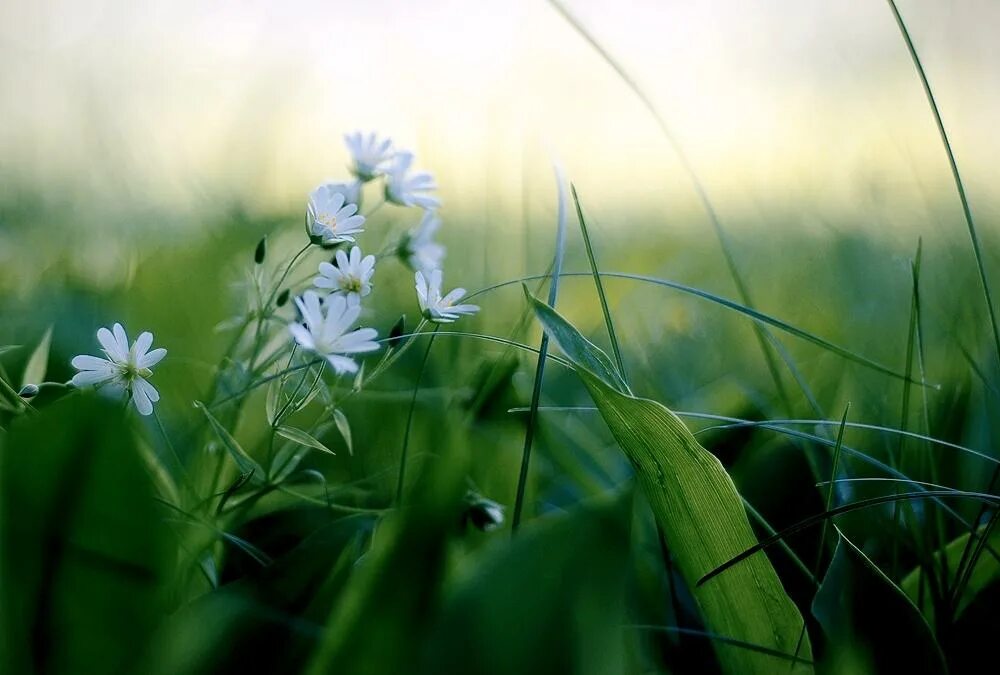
{"x": 28, "y": 391}
{"x": 396, "y": 332}
{"x": 261, "y": 251}
{"x": 484, "y": 514}
{"x": 282, "y": 298}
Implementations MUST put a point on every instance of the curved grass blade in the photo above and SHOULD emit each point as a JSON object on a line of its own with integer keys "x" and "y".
{"x": 953, "y": 165}
{"x": 722, "y": 638}
{"x": 735, "y": 306}
{"x": 846, "y": 508}
{"x": 615, "y": 348}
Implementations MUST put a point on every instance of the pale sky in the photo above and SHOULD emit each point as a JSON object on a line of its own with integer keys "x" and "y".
{"x": 167, "y": 105}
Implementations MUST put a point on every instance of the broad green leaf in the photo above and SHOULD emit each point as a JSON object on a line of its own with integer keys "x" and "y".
{"x": 344, "y": 427}
{"x": 84, "y": 549}
{"x": 245, "y": 462}
{"x": 302, "y": 438}
{"x": 549, "y": 601}
{"x": 34, "y": 371}
{"x": 701, "y": 514}
{"x": 869, "y": 623}
{"x": 581, "y": 351}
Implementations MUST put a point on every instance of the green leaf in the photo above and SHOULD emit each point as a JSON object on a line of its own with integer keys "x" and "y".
{"x": 700, "y": 512}
{"x": 34, "y": 371}
{"x": 581, "y": 351}
{"x": 302, "y": 438}
{"x": 344, "y": 427}
{"x": 84, "y": 549}
{"x": 869, "y": 624}
{"x": 245, "y": 462}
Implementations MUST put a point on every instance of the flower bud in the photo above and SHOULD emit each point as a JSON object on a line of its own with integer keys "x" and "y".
{"x": 396, "y": 332}
{"x": 282, "y": 298}
{"x": 28, "y": 391}
{"x": 484, "y": 514}
{"x": 260, "y": 251}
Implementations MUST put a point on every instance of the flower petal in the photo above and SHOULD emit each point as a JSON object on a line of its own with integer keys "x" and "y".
{"x": 141, "y": 399}
{"x": 152, "y": 358}
{"x": 341, "y": 364}
{"x": 110, "y": 345}
{"x": 142, "y": 345}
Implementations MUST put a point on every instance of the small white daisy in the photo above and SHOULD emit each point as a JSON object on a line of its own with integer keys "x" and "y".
{"x": 405, "y": 189}
{"x": 124, "y": 369}
{"x": 350, "y": 277}
{"x": 436, "y": 308}
{"x": 331, "y": 218}
{"x": 369, "y": 154}
{"x": 324, "y": 330}
{"x": 417, "y": 249}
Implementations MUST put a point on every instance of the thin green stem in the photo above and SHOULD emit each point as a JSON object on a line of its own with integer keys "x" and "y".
{"x": 401, "y": 476}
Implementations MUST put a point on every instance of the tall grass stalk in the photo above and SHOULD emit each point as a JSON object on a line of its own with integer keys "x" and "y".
{"x": 536, "y": 391}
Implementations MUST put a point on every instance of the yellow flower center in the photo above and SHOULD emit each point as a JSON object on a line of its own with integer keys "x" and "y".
{"x": 350, "y": 284}
{"x": 328, "y": 220}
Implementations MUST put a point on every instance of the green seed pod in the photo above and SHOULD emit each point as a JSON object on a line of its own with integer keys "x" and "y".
{"x": 282, "y": 298}
{"x": 260, "y": 251}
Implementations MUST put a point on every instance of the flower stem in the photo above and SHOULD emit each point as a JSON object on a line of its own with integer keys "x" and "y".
{"x": 409, "y": 421}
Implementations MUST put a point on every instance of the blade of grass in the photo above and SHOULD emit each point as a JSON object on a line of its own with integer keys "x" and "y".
{"x": 953, "y": 164}
{"x": 847, "y": 508}
{"x": 734, "y": 306}
{"x": 722, "y": 638}
{"x": 536, "y": 391}
{"x": 829, "y": 503}
{"x": 762, "y": 335}
{"x": 895, "y": 458}
{"x": 615, "y": 348}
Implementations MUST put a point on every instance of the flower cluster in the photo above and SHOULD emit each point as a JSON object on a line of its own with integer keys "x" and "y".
{"x": 341, "y": 286}
{"x": 333, "y": 220}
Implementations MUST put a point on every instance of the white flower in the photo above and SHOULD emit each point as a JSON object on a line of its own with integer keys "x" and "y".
{"x": 350, "y": 277}
{"x": 325, "y": 333}
{"x": 418, "y": 249}
{"x": 369, "y": 154}
{"x": 124, "y": 369}
{"x": 330, "y": 217}
{"x": 436, "y": 308}
{"x": 408, "y": 190}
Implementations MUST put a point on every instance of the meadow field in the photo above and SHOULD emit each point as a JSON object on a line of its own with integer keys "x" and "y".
{"x": 541, "y": 410}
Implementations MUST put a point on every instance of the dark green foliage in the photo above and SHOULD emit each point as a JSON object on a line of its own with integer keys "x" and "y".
{"x": 83, "y": 545}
